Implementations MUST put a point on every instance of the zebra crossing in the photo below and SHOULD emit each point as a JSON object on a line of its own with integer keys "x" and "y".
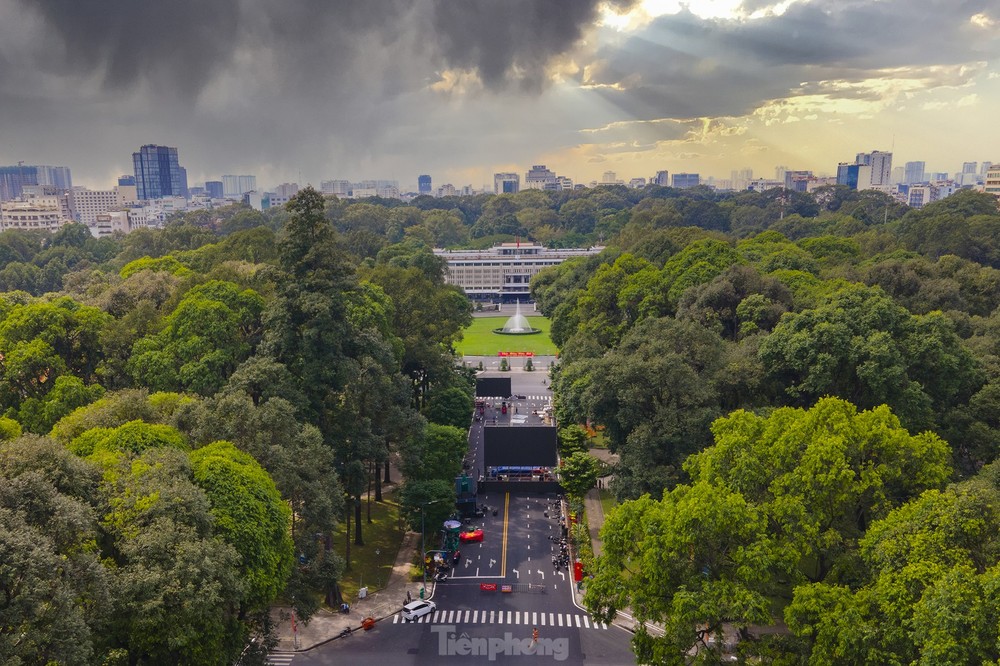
{"x": 279, "y": 658}
{"x": 498, "y": 399}
{"x": 526, "y": 618}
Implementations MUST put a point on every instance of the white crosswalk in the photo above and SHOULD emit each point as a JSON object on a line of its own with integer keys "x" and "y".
{"x": 280, "y": 658}
{"x": 527, "y": 397}
{"x": 524, "y": 618}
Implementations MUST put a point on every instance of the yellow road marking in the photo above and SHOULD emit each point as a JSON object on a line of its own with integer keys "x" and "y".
{"x": 503, "y": 543}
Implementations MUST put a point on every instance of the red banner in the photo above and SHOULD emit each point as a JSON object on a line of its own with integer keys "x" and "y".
{"x": 488, "y": 587}
{"x": 515, "y": 353}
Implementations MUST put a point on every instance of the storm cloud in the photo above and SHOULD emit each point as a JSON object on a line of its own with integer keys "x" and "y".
{"x": 311, "y": 89}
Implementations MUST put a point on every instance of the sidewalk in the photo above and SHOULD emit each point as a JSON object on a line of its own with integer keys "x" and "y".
{"x": 326, "y": 624}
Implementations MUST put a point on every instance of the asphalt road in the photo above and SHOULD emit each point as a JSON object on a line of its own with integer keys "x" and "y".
{"x": 473, "y": 625}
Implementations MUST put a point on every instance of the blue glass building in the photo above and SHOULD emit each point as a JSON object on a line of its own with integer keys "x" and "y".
{"x": 158, "y": 174}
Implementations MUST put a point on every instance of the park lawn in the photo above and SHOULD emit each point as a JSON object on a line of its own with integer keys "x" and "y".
{"x": 369, "y": 568}
{"x": 608, "y": 501}
{"x": 480, "y": 340}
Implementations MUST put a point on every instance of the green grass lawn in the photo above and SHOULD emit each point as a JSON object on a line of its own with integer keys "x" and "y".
{"x": 371, "y": 564}
{"x": 480, "y": 340}
{"x": 608, "y": 501}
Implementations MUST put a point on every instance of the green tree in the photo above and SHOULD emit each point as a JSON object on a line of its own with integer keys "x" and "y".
{"x": 859, "y": 345}
{"x": 437, "y": 454}
{"x": 450, "y": 406}
{"x": 695, "y": 560}
{"x": 54, "y": 606}
{"x": 250, "y": 515}
{"x": 572, "y": 439}
{"x": 436, "y": 496}
{"x": 579, "y": 473}
{"x": 777, "y": 499}
{"x": 68, "y": 393}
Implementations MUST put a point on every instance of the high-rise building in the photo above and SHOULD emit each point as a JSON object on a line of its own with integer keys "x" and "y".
{"x": 234, "y": 187}
{"x": 506, "y": 183}
{"x": 213, "y": 188}
{"x": 424, "y": 184}
{"x": 538, "y": 177}
{"x": 969, "y": 167}
{"x": 881, "y": 164}
{"x": 340, "y": 188}
{"x": 158, "y": 173}
{"x": 637, "y": 183}
{"x": 126, "y": 180}
{"x": 609, "y": 178}
{"x": 662, "y": 178}
{"x": 797, "y": 180}
{"x": 682, "y": 180}
{"x": 57, "y": 176}
{"x": 855, "y": 176}
{"x": 914, "y": 172}
{"x": 991, "y": 182}
{"x": 13, "y": 179}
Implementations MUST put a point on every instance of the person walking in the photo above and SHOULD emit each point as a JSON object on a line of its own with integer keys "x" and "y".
{"x": 409, "y": 598}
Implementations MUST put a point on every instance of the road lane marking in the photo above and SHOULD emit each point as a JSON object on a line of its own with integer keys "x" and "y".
{"x": 534, "y": 618}
{"x": 586, "y": 622}
{"x": 436, "y": 613}
{"x": 577, "y": 621}
{"x": 509, "y": 621}
{"x": 503, "y": 546}
{"x": 559, "y": 617}
{"x": 467, "y": 616}
{"x": 542, "y": 616}
{"x": 475, "y": 617}
{"x": 517, "y": 617}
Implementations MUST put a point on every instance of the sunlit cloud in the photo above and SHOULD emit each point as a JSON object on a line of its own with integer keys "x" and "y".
{"x": 983, "y": 21}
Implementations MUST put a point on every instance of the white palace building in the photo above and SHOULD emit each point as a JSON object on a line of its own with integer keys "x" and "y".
{"x": 503, "y": 272}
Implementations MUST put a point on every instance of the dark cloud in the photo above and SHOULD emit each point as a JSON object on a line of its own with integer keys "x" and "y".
{"x": 683, "y": 66}
{"x": 182, "y": 44}
{"x": 511, "y": 38}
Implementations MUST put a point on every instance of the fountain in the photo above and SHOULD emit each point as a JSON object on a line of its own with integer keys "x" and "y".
{"x": 517, "y": 325}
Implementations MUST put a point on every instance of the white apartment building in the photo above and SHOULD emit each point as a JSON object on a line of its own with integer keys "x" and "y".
{"x": 991, "y": 183}
{"x": 234, "y": 187}
{"x": 109, "y": 223}
{"x": 86, "y": 204}
{"x": 504, "y": 271}
{"x": 35, "y": 214}
{"x": 340, "y": 188}
{"x": 539, "y": 177}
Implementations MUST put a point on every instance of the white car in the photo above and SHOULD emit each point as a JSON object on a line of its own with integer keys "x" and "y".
{"x": 415, "y": 609}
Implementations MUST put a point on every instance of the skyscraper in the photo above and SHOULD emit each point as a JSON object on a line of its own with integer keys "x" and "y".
{"x": 661, "y": 178}
{"x": 506, "y": 183}
{"x": 234, "y": 187}
{"x": 682, "y": 180}
{"x": 424, "y": 184}
{"x": 213, "y": 188}
{"x": 914, "y": 172}
{"x": 881, "y": 164}
{"x": 158, "y": 174}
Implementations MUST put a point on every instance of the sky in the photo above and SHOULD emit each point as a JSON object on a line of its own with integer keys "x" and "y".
{"x": 311, "y": 90}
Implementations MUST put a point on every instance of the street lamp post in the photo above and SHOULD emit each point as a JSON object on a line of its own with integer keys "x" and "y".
{"x": 423, "y": 549}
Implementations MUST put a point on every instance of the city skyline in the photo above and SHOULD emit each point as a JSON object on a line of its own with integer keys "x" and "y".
{"x": 463, "y": 91}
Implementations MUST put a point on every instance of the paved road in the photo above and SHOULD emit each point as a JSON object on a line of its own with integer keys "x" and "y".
{"x": 471, "y": 622}
{"x": 472, "y": 625}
